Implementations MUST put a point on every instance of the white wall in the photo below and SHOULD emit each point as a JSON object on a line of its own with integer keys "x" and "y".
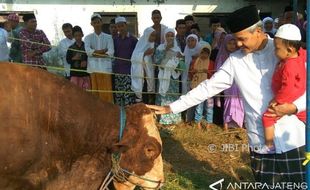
{"x": 50, "y": 17}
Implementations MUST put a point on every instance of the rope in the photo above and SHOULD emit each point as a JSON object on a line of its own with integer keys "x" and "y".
{"x": 126, "y": 171}
{"x": 106, "y": 56}
{"x": 116, "y": 169}
{"x": 107, "y": 180}
{"x": 119, "y": 174}
{"x": 84, "y": 71}
{"x": 111, "y": 91}
{"x": 95, "y": 54}
{"x": 170, "y": 94}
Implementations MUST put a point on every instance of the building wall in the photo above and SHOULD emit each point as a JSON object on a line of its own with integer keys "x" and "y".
{"x": 52, "y": 14}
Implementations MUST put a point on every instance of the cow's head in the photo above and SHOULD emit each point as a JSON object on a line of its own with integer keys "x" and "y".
{"x": 140, "y": 148}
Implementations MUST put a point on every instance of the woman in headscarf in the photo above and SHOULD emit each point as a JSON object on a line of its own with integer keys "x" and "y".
{"x": 233, "y": 106}
{"x": 191, "y": 52}
{"x": 202, "y": 69}
{"x": 268, "y": 26}
{"x": 223, "y": 53}
{"x": 142, "y": 64}
{"x": 167, "y": 58}
{"x": 219, "y": 36}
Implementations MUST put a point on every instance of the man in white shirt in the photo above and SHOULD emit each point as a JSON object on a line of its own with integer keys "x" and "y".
{"x": 4, "y": 49}
{"x": 100, "y": 48}
{"x": 63, "y": 46}
{"x": 252, "y": 68}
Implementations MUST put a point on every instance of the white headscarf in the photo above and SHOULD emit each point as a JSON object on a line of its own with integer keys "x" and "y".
{"x": 268, "y": 19}
{"x": 143, "y": 44}
{"x": 165, "y": 74}
{"x": 139, "y": 61}
{"x": 188, "y": 53}
{"x": 163, "y": 46}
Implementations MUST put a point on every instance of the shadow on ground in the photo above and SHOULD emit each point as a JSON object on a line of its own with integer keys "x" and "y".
{"x": 194, "y": 158}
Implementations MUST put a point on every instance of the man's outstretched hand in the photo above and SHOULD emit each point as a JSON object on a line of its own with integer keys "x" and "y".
{"x": 160, "y": 109}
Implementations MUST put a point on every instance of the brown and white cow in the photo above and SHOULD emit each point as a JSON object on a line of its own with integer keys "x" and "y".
{"x": 54, "y": 135}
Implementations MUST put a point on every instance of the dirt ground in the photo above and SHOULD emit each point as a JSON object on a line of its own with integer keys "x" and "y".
{"x": 195, "y": 158}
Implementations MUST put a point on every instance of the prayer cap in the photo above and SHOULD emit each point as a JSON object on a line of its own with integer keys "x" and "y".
{"x": 243, "y": 18}
{"x": 289, "y": 32}
{"x": 28, "y": 17}
{"x": 120, "y": 19}
{"x": 95, "y": 15}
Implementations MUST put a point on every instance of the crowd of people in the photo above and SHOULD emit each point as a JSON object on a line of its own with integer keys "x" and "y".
{"x": 157, "y": 69}
{"x": 231, "y": 76}
{"x": 271, "y": 76}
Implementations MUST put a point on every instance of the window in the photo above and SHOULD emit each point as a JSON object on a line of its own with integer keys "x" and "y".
{"x": 131, "y": 18}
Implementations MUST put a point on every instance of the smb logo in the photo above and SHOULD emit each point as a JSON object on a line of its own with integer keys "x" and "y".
{"x": 212, "y": 186}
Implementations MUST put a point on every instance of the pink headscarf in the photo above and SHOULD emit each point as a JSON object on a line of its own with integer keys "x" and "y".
{"x": 223, "y": 54}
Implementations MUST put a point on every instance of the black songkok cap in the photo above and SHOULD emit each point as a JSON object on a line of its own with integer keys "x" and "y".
{"x": 28, "y": 17}
{"x": 180, "y": 21}
{"x": 214, "y": 20}
{"x": 156, "y": 12}
{"x": 77, "y": 29}
{"x": 243, "y": 18}
{"x": 189, "y": 17}
{"x": 288, "y": 9}
{"x": 195, "y": 26}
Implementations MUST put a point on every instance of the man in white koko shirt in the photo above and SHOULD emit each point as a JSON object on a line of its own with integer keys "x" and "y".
{"x": 251, "y": 68}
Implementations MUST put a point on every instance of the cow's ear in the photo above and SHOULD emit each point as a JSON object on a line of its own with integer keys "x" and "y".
{"x": 119, "y": 147}
{"x": 152, "y": 149}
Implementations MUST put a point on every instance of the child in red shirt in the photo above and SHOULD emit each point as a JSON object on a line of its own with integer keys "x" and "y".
{"x": 289, "y": 78}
